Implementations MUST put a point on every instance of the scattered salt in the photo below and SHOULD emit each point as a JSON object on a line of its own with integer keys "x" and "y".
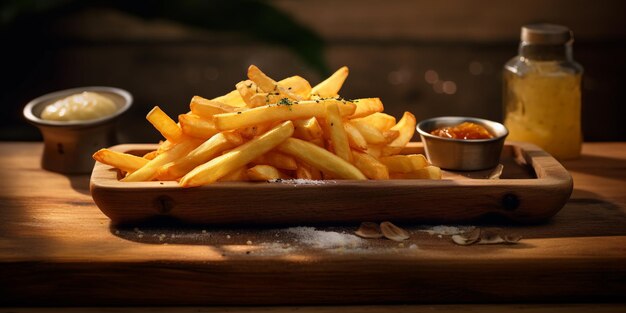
{"x": 324, "y": 239}
{"x": 228, "y": 236}
{"x": 447, "y": 230}
{"x": 413, "y": 246}
{"x": 300, "y": 181}
{"x": 204, "y": 231}
{"x": 248, "y": 242}
{"x": 140, "y": 235}
{"x": 117, "y": 232}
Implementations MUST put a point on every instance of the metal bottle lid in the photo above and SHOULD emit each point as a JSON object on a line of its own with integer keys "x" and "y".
{"x": 546, "y": 34}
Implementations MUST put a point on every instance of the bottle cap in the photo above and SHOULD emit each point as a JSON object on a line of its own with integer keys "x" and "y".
{"x": 546, "y": 34}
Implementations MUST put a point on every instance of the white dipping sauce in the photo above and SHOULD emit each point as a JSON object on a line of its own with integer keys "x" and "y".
{"x": 79, "y": 107}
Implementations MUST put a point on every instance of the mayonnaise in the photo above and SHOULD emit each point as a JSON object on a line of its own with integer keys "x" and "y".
{"x": 79, "y": 107}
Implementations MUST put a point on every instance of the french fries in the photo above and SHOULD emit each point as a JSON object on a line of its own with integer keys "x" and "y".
{"x": 149, "y": 170}
{"x": 264, "y": 173}
{"x": 124, "y": 161}
{"x": 320, "y": 158}
{"x": 282, "y": 111}
{"x": 194, "y": 126}
{"x": 406, "y": 128}
{"x": 338, "y": 136}
{"x": 330, "y": 87}
{"x": 205, "y": 152}
{"x": 207, "y": 108}
{"x": 220, "y": 166}
{"x": 270, "y": 129}
{"x": 164, "y": 124}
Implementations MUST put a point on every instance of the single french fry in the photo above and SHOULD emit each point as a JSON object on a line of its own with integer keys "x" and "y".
{"x": 297, "y": 85}
{"x": 239, "y": 174}
{"x": 355, "y": 138}
{"x": 269, "y": 85}
{"x": 218, "y": 167}
{"x": 428, "y": 172}
{"x": 406, "y": 127}
{"x": 277, "y": 160}
{"x": 380, "y": 120}
{"x": 366, "y": 106}
{"x": 278, "y": 112}
{"x": 150, "y": 155}
{"x": 320, "y": 158}
{"x": 390, "y": 135}
{"x": 209, "y": 149}
{"x": 207, "y": 108}
{"x": 331, "y": 86}
{"x": 371, "y": 134}
{"x": 232, "y": 98}
{"x": 338, "y": 136}
{"x": 307, "y": 129}
{"x": 124, "y": 161}
{"x": 150, "y": 169}
{"x": 264, "y": 82}
{"x": 264, "y": 173}
{"x": 369, "y": 166}
{"x": 404, "y": 163}
{"x": 164, "y": 124}
{"x": 194, "y": 126}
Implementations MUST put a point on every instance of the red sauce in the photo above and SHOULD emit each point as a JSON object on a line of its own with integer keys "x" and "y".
{"x": 465, "y": 130}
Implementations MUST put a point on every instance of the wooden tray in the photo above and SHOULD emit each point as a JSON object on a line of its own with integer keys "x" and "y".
{"x": 533, "y": 187}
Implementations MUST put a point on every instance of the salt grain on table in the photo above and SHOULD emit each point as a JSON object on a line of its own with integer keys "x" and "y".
{"x": 299, "y": 181}
{"x": 447, "y": 230}
{"x": 324, "y": 239}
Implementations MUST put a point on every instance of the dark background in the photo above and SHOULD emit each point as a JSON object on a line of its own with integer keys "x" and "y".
{"x": 164, "y": 52}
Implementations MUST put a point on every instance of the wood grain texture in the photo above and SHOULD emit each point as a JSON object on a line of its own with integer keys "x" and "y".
{"x": 57, "y": 248}
{"x": 525, "y": 308}
{"x": 451, "y": 200}
{"x": 452, "y": 20}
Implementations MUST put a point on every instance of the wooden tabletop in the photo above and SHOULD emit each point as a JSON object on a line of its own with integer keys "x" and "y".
{"x": 57, "y": 249}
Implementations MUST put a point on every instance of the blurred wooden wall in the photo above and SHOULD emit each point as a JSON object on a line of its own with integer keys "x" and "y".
{"x": 388, "y": 45}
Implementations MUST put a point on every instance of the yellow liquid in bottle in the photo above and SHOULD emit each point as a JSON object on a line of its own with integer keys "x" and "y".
{"x": 543, "y": 107}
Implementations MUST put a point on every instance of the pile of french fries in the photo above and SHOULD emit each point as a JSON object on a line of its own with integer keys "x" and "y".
{"x": 267, "y": 130}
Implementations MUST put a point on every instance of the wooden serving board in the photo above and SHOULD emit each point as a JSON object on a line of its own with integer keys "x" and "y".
{"x": 533, "y": 187}
{"x": 58, "y": 249}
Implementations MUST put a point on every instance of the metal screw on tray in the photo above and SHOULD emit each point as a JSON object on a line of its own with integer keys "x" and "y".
{"x": 69, "y": 144}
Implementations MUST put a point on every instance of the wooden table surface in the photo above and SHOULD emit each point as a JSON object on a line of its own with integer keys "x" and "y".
{"x": 58, "y": 249}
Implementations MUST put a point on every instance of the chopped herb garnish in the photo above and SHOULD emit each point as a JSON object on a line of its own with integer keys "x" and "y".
{"x": 284, "y": 101}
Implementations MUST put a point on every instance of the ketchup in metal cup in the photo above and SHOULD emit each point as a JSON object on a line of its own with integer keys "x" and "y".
{"x": 464, "y": 130}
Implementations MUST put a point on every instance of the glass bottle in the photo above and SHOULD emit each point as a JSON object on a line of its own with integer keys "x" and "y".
{"x": 542, "y": 101}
